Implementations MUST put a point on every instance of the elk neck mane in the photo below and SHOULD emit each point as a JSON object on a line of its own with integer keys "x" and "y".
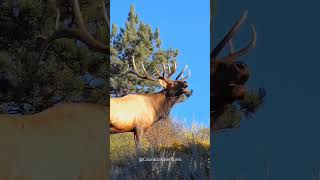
{"x": 162, "y": 103}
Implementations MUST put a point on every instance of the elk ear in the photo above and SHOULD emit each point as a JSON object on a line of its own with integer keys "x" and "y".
{"x": 163, "y": 83}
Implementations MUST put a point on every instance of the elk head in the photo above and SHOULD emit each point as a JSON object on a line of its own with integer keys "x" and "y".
{"x": 230, "y": 75}
{"x": 175, "y": 90}
{"x": 146, "y": 109}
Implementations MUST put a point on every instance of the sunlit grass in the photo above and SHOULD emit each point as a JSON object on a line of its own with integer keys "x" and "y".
{"x": 188, "y": 148}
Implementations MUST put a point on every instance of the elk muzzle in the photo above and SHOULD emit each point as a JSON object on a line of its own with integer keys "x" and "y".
{"x": 238, "y": 91}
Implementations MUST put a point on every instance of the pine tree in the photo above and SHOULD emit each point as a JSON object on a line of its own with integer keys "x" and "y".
{"x": 136, "y": 39}
{"x": 35, "y": 75}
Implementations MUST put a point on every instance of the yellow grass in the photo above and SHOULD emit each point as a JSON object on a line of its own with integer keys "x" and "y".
{"x": 184, "y": 152}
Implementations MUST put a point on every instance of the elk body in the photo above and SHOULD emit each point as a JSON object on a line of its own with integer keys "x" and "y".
{"x": 229, "y": 75}
{"x": 137, "y": 112}
{"x": 65, "y": 142}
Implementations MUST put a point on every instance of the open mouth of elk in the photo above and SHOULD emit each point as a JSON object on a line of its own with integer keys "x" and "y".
{"x": 229, "y": 75}
{"x": 138, "y": 112}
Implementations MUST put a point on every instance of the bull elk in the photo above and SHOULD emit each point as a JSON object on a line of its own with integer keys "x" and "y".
{"x": 137, "y": 112}
{"x": 229, "y": 75}
{"x": 65, "y": 142}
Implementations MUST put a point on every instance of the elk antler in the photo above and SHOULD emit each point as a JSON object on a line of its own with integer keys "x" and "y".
{"x": 80, "y": 32}
{"x": 106, "y": 12}
{"x": 173, "y": 70}
{"x": 135, "y": 71}
{"x": 163, "y": 76}
{"x": 170, "y": 73}
{"x": 181, "y": 74}
{"x": 245, "y": 50}
{"x": 228, "y": 37}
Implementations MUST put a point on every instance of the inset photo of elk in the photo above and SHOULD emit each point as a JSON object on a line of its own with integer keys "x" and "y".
{"x": 265, "y": 90}
{"x": 231, "y": 99}
{"x": 54, "y": 84}
{"x": 159, "y": 88}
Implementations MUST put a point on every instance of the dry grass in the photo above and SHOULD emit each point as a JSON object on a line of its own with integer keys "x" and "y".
{"x": 189, "y": 148}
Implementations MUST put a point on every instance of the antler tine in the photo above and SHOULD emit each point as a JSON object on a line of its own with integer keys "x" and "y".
{"x": 163, "y": 72}
{"x": 158, "y": 72}
{"x": 144, "y": 70}
{"x": 106, "y": 14}
{"x": 173, "y": 70}
{"x": 185, "y": 78}
{"x": 179, "y": 75}
{"x": 164, "y": 69}
{"x": 135, "y": 71}
{"x": 231, "y": 46}
{"x": 243, "y": 51}
{"x": 229, "y": 36}
{"x": 169, "y": 69}
{"x": 135, "y": 68}
{"x": 80, "y": 32}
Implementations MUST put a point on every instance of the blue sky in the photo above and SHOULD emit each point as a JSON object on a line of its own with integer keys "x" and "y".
{"x": 183, "y": 26}
{"x": 283, "y": 139}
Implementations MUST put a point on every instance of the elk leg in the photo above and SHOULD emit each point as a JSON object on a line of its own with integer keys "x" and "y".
{"x": 137, "y": 135}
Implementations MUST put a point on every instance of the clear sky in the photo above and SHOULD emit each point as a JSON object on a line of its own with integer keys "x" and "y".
{"x": 183, "y": 25}
{"x": 283, "y": 139}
